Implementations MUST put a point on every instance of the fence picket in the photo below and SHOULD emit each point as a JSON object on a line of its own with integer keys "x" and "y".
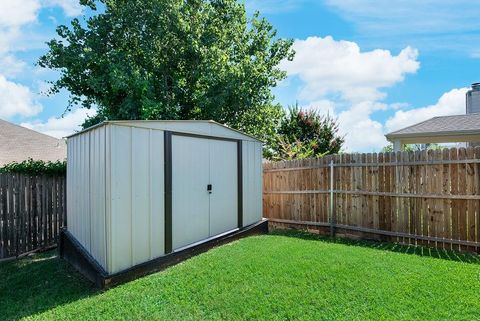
{"x": 32, "y": 211}
{"x": 462, "y": 154}
{"x": 423, "y": 198}
{"x": 470, "y": 177}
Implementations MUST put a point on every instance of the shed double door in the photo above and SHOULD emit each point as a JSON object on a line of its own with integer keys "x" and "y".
{"x": 204, "y": 188}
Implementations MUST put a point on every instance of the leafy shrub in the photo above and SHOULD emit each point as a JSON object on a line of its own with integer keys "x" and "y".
{"x": 306, "y": 134}
{"x": 36, "y": 167}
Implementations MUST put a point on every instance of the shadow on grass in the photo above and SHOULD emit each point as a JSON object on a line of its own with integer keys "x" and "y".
{"x": 386, "y": 246}
{"x": 37, "y": 283}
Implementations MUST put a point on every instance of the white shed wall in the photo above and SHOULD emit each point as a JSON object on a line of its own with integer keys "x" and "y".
{"x": 252, "y": 182}
{"x": 137, "y": 196}
{"x": 115, "y": 188}
{"x": 86, "y": 182}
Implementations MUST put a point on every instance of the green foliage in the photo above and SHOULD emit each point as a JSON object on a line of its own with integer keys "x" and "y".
{"x": 305, "y": 134}
{"x": 35, "y": 167}
{"x": 413, "y": 147}
{"x": 171, "y": 59}
{"x": 263, "y": 124}
{"x": 295, "y": 150}
{"x": 288, "y": 276}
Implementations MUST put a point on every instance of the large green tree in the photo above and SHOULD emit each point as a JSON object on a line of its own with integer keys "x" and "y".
{"x": 171, "y": 59}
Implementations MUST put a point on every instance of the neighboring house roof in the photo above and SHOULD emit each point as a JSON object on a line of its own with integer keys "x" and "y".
{"x": 457, "y": 125}
{"x": 18, "y": 143}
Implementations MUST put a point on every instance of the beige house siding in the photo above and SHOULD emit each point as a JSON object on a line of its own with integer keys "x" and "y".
{"x": 19, "y": 143}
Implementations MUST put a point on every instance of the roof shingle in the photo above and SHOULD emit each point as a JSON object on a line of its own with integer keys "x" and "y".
{"x": 441, "y": 125}
{"x": 19, "y": 143}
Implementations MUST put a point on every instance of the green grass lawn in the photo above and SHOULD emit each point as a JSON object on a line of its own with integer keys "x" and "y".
{"x": 275, "y": 277}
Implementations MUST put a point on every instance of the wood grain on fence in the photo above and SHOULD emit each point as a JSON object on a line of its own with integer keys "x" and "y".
{"x": 421, "y": 198}
{"x": 32, "y": 211}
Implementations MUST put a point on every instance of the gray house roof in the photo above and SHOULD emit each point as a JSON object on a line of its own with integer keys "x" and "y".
{"x": 441, "y": 126}
{"x": 19, "y": 143}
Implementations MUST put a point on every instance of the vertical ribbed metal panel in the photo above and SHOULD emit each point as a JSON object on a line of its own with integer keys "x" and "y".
{"x": 136, "y": 196}
{"x": 86, "y": 191}
{"x": 140, "y": 196}
{"x": 190, "y": 200}
{"x": 224, "y": 178}
{"x": 121, "y": 187}
{"x": 252, "y": 182}
{"x": 108, "y": 197}
{"x": 156, "y": 194}
{"x": 97, "y": 195}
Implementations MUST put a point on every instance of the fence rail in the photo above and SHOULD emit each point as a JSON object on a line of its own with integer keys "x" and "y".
{"x": 423, "y": 198}
{"x": 32, "y": 211}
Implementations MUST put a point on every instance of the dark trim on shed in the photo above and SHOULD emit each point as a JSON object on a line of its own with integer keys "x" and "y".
{"x": 240, "y": 183}
{"x": 168, "y": 181}
{"x": 204, "y": 136}
{"x": 168, "y": 190}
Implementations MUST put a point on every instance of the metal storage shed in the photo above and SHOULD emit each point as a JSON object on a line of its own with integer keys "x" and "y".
{"x": 141, "y": 190}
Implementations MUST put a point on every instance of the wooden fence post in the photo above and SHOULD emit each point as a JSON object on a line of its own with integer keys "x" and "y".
{"x": 431, "y": 198}
{"x": 332, "y": 205}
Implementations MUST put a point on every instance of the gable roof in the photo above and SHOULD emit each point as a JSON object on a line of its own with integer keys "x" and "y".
{"x": 18, "y": 143}
{"x": 443, "y": 125}
{"x": 202, "y": 127}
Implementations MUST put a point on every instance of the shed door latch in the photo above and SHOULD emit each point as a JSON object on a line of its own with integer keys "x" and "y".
{"x": 209, "y": 188}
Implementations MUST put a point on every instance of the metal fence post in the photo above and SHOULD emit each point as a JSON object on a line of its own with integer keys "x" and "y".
{"x": 332, "y": 207}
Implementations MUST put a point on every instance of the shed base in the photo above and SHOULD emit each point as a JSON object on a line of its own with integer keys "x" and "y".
{"x": 73, "y": 252}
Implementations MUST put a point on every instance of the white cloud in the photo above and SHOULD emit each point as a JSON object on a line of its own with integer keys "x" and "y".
{"x": 339, "y": 79}
{"x": 16, "y": 99}
{"x": 15, "y": 16}
{"x": 323, "y": 106}
{"x": 362, "y": 134}
{"x": 71, "y": 8}
{"x": 61, "y": 127}
{"x": 11, "y": 66}
{"x": 450, "y": 103}
{"x": 18, "y": 12}
{"x": 327, "y": 66}
{"x": 7, "y": 37}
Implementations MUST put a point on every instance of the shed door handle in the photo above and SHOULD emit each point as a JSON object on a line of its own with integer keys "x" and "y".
{"x": 209, "y": 188}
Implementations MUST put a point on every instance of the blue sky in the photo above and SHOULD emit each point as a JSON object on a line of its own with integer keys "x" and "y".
{"x": 375, "y": 65}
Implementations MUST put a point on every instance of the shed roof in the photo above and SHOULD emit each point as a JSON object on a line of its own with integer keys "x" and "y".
{"x": 18, "y": 143}
{"x": 202, "y": 127}
{"x": 441, "y": 126}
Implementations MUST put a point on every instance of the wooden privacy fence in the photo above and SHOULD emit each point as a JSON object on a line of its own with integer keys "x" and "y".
{"x": 32, "y": 211}
{"x": 427, "y": 198}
